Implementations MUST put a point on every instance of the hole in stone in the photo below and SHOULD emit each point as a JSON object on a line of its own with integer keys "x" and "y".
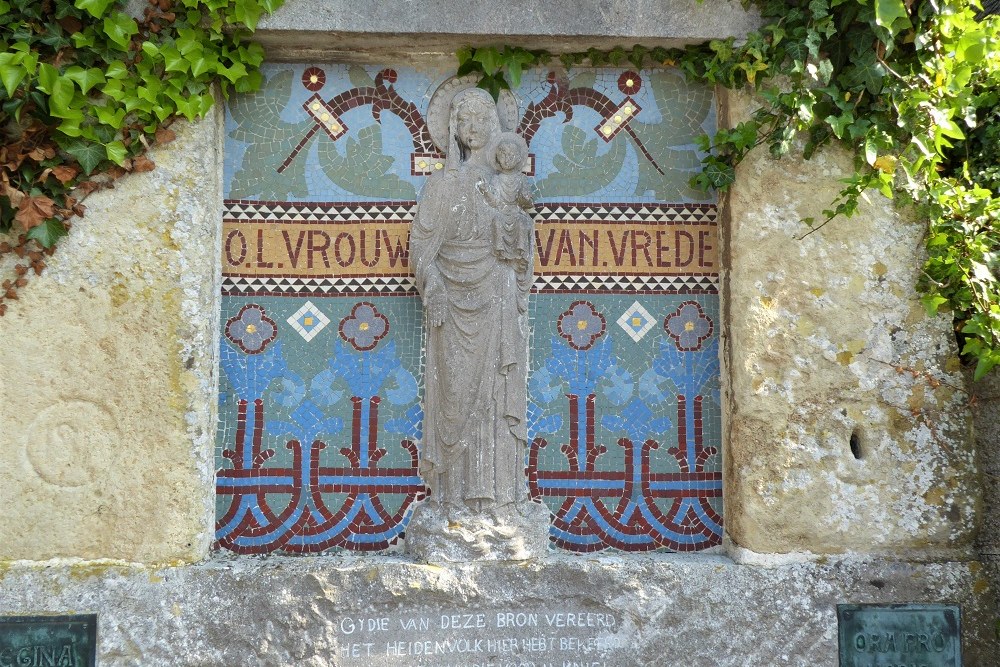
{"x": 856, "y": 445}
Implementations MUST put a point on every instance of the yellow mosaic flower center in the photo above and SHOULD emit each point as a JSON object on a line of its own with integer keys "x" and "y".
{"x": 581, "y": 324}
{"x": 307, "y": 321}
{"x": 363, "y": 326}
{"x": 630, "y": 83}
{"x": 689, "y": 326}
{"x": 314, "y": 79}
{"x": 251, "y": 328}
{"x": 637, "y": 321}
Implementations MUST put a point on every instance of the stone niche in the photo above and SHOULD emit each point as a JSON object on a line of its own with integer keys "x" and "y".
{"x": 322, "y": 326}
{"x": 733, "y": 428}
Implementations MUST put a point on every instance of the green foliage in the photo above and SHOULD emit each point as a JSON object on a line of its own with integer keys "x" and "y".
{"x": 499, "y": 69}
{"x": 911, "y": 87}
{"x": 87, "y": 88}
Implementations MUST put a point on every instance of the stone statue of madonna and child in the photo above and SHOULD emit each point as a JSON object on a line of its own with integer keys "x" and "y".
{"x": 472, "y": 248}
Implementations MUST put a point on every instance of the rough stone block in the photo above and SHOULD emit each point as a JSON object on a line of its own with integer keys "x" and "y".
{"x": 848, "y": 425}
{"x": 107, "y": 372}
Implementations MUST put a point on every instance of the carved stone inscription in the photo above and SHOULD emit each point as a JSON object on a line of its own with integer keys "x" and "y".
{"x": 481, "y": 638}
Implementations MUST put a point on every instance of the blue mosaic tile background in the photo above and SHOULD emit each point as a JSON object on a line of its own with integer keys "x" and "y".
{"x": 321, "y": 353}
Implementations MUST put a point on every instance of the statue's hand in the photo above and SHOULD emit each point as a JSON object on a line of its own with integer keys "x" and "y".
{"x": 436, "y": 310}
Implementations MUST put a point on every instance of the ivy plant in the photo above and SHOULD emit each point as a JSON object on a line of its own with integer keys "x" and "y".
{"x": 911, "y": 87}
{"x": 86, "y": 89}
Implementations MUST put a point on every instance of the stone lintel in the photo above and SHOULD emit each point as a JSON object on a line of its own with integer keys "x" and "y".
{"x": 301, "y": 29}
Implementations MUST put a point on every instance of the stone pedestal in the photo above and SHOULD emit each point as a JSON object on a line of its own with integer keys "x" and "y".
{"x": 512, "y": 532}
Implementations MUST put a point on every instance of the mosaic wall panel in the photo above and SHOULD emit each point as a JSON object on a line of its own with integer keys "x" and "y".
{"x": 320, "y": 399}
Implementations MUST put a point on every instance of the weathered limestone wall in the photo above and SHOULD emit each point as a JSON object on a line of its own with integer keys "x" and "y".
{"x": 668, "y": 610}
{"x": 986, "y": 414}
{"x": 828, "y": 339}
{"x": 108, "y": 373}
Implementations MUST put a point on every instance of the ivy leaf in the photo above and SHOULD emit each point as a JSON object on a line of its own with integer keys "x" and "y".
{"x": 164, "y": 135}
{"x": 119, "y": 28}
{"x": 888, "y": 12}
{"x": 932, "y": 302}
{"x": 247, "y": 13}
{"x": 637, "y": 56}
{"x": 866, "y": 71}
{"x": 11, "y": 74}
{"x": 65, "y": 173}
{"x": 199, "y": 65}
{"x": 116, "y": 152}
{"x": 516, "y": 60}
{"x": 468, "y": 67}
{"x": 48, "y": 232}
{"x": 839, "y": 123}
{"x": 173, "y": 60}
{"x": 494, "y": 84}
{"x": 85, "y": 78}
{"x": 87, "y": 153}
{"x": 60, "y": 98}
{"x": 47, "y": 77}
{"x": 111, "y": 116}
{"x": 95, "y": 8}
{"x": 490, "y": 59}
{"x": 871, "y": 150}
{"x": 983, "y": 366}
{"x": 514, "y": 71}
{"x": 34, "y": 210}
{"x": 719, "y": 174}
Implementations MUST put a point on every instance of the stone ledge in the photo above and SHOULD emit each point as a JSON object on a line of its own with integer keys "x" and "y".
{"x": 678, "y": 610}
{"x": 301, "y": 27}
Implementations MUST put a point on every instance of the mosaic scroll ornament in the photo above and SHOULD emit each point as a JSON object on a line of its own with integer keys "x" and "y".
{"x": 322, "y": 345}
{"x": 311, "y": 503}
{"x": 663, "y": 488}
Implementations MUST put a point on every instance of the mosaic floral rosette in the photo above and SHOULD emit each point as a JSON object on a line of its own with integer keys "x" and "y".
{"x": 320, "y": 396}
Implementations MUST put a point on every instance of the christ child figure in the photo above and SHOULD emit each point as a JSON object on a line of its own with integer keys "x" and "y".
{"x": 510, "y": 194}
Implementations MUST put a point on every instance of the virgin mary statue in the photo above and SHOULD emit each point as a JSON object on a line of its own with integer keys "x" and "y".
{"x": 474, "y": 296}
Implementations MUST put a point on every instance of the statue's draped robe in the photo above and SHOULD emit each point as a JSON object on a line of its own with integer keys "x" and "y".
{"x": 476, "y": 361}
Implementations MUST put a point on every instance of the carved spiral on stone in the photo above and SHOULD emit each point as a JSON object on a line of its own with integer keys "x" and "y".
{"x": 70, "y": 442}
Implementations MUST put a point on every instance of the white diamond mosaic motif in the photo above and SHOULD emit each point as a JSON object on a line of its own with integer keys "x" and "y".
{"x": 308, "y": 321}
{"x": 636, "y": 321}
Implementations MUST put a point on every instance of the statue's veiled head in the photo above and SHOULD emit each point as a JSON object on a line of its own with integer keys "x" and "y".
{"x": 474, "y": 123}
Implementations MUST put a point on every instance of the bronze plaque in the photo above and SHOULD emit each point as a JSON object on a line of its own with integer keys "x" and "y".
{"x": 48, "y": 641}
{"x": 900, "y": 635}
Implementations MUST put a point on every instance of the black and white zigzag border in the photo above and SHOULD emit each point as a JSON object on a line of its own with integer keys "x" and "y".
{"x": 403, "y": 285}
{"x": 333, "y": 212}
{"x": 627, "y": 284}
